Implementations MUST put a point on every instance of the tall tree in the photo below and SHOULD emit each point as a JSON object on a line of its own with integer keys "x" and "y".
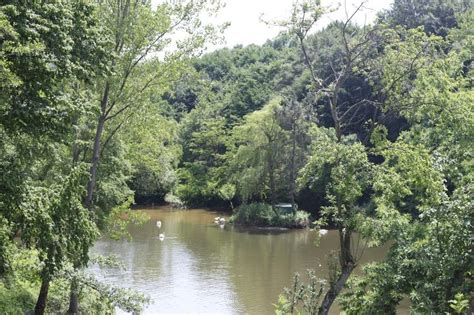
{"x": 295, "y": 118}
{"x": 138, "y": 33}
{"x": 257, "y": 158}
{"x": 147, "y": 56}
{"x": 60, "y": 45}
{"x": 358, "y": 49}
{"x": 343, "y": 194}
{"x": 423, "y": 186}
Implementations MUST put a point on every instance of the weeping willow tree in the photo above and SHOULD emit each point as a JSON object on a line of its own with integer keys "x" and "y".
{"x": 259, "y": 153}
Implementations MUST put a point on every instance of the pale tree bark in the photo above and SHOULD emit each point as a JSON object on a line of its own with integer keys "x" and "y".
{"x": 73, "y": 296}
{"x": 271, "y": 167}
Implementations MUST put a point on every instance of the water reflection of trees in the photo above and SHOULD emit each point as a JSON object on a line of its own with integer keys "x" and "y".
{"x": 254, "y": 264}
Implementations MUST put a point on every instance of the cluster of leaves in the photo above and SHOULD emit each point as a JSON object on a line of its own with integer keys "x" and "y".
{"x": 344, "y": 170}
{"x": 307, "y": 296}
{"x": 423, "y": 188}
{"x": 431, "y": 263}
{"x": 121, "y": 217}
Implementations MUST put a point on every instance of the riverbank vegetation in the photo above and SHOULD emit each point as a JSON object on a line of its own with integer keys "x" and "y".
{"x": 367, "y": 128}
{"x": 263, "y": 215}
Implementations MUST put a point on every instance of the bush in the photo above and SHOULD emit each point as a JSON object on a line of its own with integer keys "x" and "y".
{"x": 298, "y": 220}
{"x": 259, "y": 214}
{"x": 301, "y": 219}
{"x": 301, "y": 295}
{"x": 16, "y": 299}
{"x": 175, "y": 201}
{"x": 262, "y": 214}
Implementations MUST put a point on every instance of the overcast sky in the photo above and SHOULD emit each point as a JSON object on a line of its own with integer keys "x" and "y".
{"x": 246, "y": 26}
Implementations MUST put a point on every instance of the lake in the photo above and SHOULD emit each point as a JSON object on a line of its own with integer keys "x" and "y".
{"x": 203, "y": 268}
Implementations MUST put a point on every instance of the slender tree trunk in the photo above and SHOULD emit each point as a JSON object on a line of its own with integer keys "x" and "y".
{"x": 74, "y": 298}
{"x": 272, "y": 183}
{"x": 293, "y": 169}
{"x": 96, "y": 148}
{"x": 346, "y": 260}
{"x": 347, "y": 264}
{"x": 335, "y": 117}
{"x": 42, "y": 297}
{"x": 94, "y": 163}
{"x": 345, "y": 247}
{"x": 335, "y": 289}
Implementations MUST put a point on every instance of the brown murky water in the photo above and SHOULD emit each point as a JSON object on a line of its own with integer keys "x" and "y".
{"x": 202, "y": 268}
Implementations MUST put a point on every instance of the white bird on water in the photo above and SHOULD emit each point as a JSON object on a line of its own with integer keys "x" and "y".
{"x": 158, "y": 224}
{"x": 323, "y": 232}
{"x": 219, "y": 220}
{"x": 161, "y": 236}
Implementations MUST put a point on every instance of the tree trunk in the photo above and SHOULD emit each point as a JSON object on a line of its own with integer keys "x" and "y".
{"x": 96, "y": 148}
{"x": 335, "y": 117}
{"x": 293, "y": 169}
{"x": 73, "y": 298}
{"x": 347, "y": 266}
{"x": 345, "y": 247}
{"x": 42, "y": 297}
{"x": 335, "y": 289}
{"x": 272, "y": 183}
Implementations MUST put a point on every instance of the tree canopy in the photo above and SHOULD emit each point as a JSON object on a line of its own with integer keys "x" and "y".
{"x": 368, "y": 128}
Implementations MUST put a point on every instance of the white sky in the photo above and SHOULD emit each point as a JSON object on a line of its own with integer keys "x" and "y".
{"x": 246, "y": 26}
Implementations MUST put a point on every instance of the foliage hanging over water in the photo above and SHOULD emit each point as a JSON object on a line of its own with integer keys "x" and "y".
{"x": 368, "y": 128}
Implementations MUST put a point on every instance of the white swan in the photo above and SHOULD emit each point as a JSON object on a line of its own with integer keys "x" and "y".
{"x": 161, "y": 236}
{"x": 323, "y": 232}
{"x": 158, "y": 224}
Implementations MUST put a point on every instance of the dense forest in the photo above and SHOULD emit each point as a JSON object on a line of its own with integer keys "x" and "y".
{"x": 366, "y": 129}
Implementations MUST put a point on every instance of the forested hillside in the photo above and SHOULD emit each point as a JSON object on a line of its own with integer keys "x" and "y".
{"x": 215, "y": 100}
{"x": 368, "y": 128}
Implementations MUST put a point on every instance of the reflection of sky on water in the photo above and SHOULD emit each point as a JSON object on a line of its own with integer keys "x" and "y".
{"x": 200, "y": 268}
{"x": 173, "y": 279}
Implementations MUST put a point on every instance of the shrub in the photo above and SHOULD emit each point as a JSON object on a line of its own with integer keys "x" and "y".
{"x": 298, "y": 220}
{"x": 16, "y": 299}
{"x": 301, "y": 295}
{"x": 261, "y": 214}
{"x": 175, "y": 201}
{"x": 301, "y": 219}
